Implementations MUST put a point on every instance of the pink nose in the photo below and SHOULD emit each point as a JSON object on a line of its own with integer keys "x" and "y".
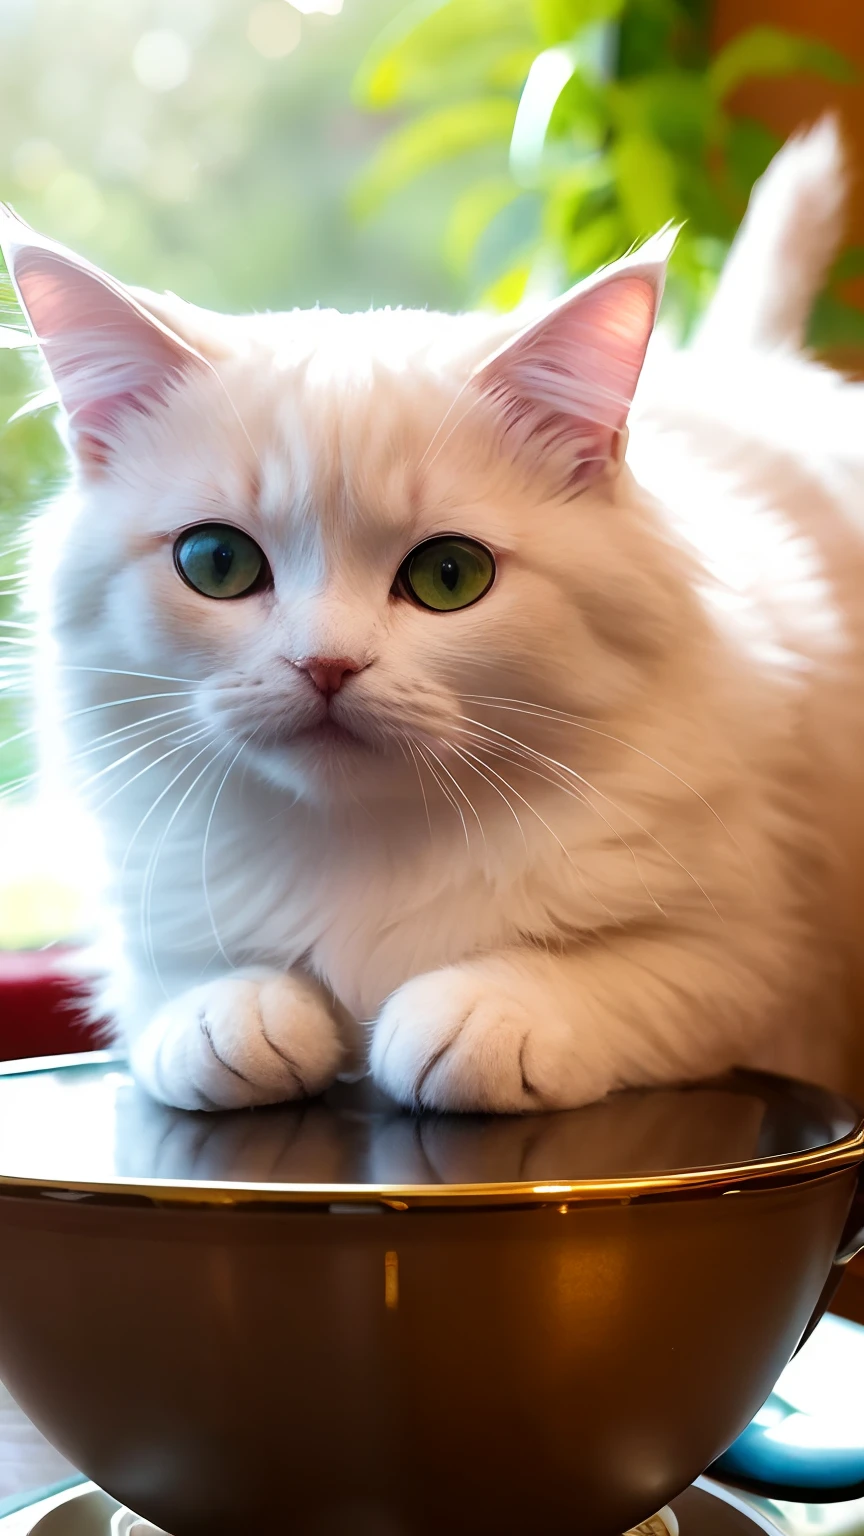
{"x": 328, "y": 673}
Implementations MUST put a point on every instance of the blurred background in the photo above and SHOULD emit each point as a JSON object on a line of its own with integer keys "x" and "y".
{"x": 255, "y": 154}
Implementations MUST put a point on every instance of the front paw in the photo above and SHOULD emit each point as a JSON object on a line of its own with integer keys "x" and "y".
{"x": 244, "y": 1039}
{"x": 466, "y": 1038}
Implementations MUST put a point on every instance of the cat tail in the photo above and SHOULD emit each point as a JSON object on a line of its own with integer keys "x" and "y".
{"x": 782, "y": 253}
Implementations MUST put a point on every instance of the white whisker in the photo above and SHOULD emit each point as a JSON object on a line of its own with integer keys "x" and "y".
{"x": 477, "y": 400}
{"x": 127, "y": 783}
{"x": 152, "y": 741}
{"x": 422, "y": 785}
{"x": 30, "y": 778}
{"x": 128, "y": 731}
{"x": 154, "y": 677}
{"x": 544, "y": 712}
{"x": 578, "y": 873}
{"x": 566, "y": 789}
{"x": 445, "y": 792}
{"x": 544, "y": 757}
{"x": 240, "y": 422}
{"x": 462, "y": 792}
{"x": 75, "y": 714}
{"x": 444, "y": 419}
{"x": 206, "y": 841}
{"x": 465, "y": 755}
{"x": 12, "y": 786}
{"x": 114, "y": 738}
{"x": 150, "y": 872}
{"x": 160, "y": 797}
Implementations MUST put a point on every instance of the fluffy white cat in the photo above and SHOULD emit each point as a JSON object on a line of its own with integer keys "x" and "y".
{"x": 428, "y": 717}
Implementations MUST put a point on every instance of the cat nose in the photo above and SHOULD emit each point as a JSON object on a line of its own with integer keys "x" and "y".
{"x": 328, "y": 673}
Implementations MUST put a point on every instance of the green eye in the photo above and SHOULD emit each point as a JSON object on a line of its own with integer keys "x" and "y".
{"x": 446, "y": 574}
{"x": 218, "y": 560}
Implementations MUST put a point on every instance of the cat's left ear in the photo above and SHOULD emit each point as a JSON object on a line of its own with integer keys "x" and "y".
{"x": 566, "y": 382}
{"x": 108, "y": 356}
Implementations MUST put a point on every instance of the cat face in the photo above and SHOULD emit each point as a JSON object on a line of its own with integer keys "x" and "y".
{"x": 349, "y": 534}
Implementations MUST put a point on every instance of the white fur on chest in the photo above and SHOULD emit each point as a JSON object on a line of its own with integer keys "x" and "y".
{"x": 365, "y": 902}
{"x": 364, "y": 917}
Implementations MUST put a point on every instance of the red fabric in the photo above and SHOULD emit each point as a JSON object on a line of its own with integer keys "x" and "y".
{"x": 42, "y": 1010}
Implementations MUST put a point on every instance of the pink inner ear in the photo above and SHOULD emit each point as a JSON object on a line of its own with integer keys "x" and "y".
{"x": 570, "y": 380}
{"x": 106, "y": 355}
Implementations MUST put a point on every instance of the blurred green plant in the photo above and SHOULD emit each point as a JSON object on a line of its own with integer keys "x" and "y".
{"x": 31, "y": 468}
{"x": 592, "y": 123}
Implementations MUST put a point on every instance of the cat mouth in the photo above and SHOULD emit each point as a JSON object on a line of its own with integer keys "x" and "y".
{"x": 327, "y": 732}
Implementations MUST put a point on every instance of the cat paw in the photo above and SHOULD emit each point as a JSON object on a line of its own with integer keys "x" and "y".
{"x": 464, "y": 1039}
{"x": 244, "y": 1039}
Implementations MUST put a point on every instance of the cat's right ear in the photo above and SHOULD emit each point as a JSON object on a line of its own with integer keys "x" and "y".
{"x": 106, "y": 354}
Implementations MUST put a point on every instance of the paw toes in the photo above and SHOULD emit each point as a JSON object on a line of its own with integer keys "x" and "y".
{"x": 236, "y": 1042}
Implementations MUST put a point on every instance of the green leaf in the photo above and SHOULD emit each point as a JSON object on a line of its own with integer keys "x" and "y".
{"x": 550, "y": 72}
{"x": 440, "y": 47}
{"x": 833, "y": 323}
{"x": 555, "y": 21}
{"x": 509, "y": 71}
{"x": 849, "y": 264}
{"x": 646, "y": 182}
{"x": 655, "y": 34}
{"x": 576, "y": 197}
{"x": 508, "y": 290}
{"x": 563, "y": 116}
{"x": 750, "y": 148}
{"x": 430, "y": 140}
{"x": 763, "y": 51}
{"x": 14, "y": 330}
{"x": 581, "y": 112}
{"x": 671, "y": 106}
{"x": 472, "y": 214}
{"x": 704, "y": 203}
{"x": 559, "y": 21}
{"x": 594, "y": 244}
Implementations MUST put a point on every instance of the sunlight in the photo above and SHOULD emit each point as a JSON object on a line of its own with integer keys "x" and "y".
{"x": 161, "y": 60}
{"x": 274, "y": 29}
{"x": 319, "y": 7}
{"x": 50, "y": 874}
{"x": 825, "y": 1378}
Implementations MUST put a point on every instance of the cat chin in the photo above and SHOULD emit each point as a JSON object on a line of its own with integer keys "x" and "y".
{"x": 325, "y": 770}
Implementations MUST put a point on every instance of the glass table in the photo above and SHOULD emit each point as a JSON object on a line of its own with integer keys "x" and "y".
{"x": 30, "y": 1468}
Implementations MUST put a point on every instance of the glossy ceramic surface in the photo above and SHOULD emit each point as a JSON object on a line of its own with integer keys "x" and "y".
{"x": 80, "y": 1124}
{"x": 419, "y": 1324}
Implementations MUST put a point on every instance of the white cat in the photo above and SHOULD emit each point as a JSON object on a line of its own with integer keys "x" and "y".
{"x": 410, "y": 695}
